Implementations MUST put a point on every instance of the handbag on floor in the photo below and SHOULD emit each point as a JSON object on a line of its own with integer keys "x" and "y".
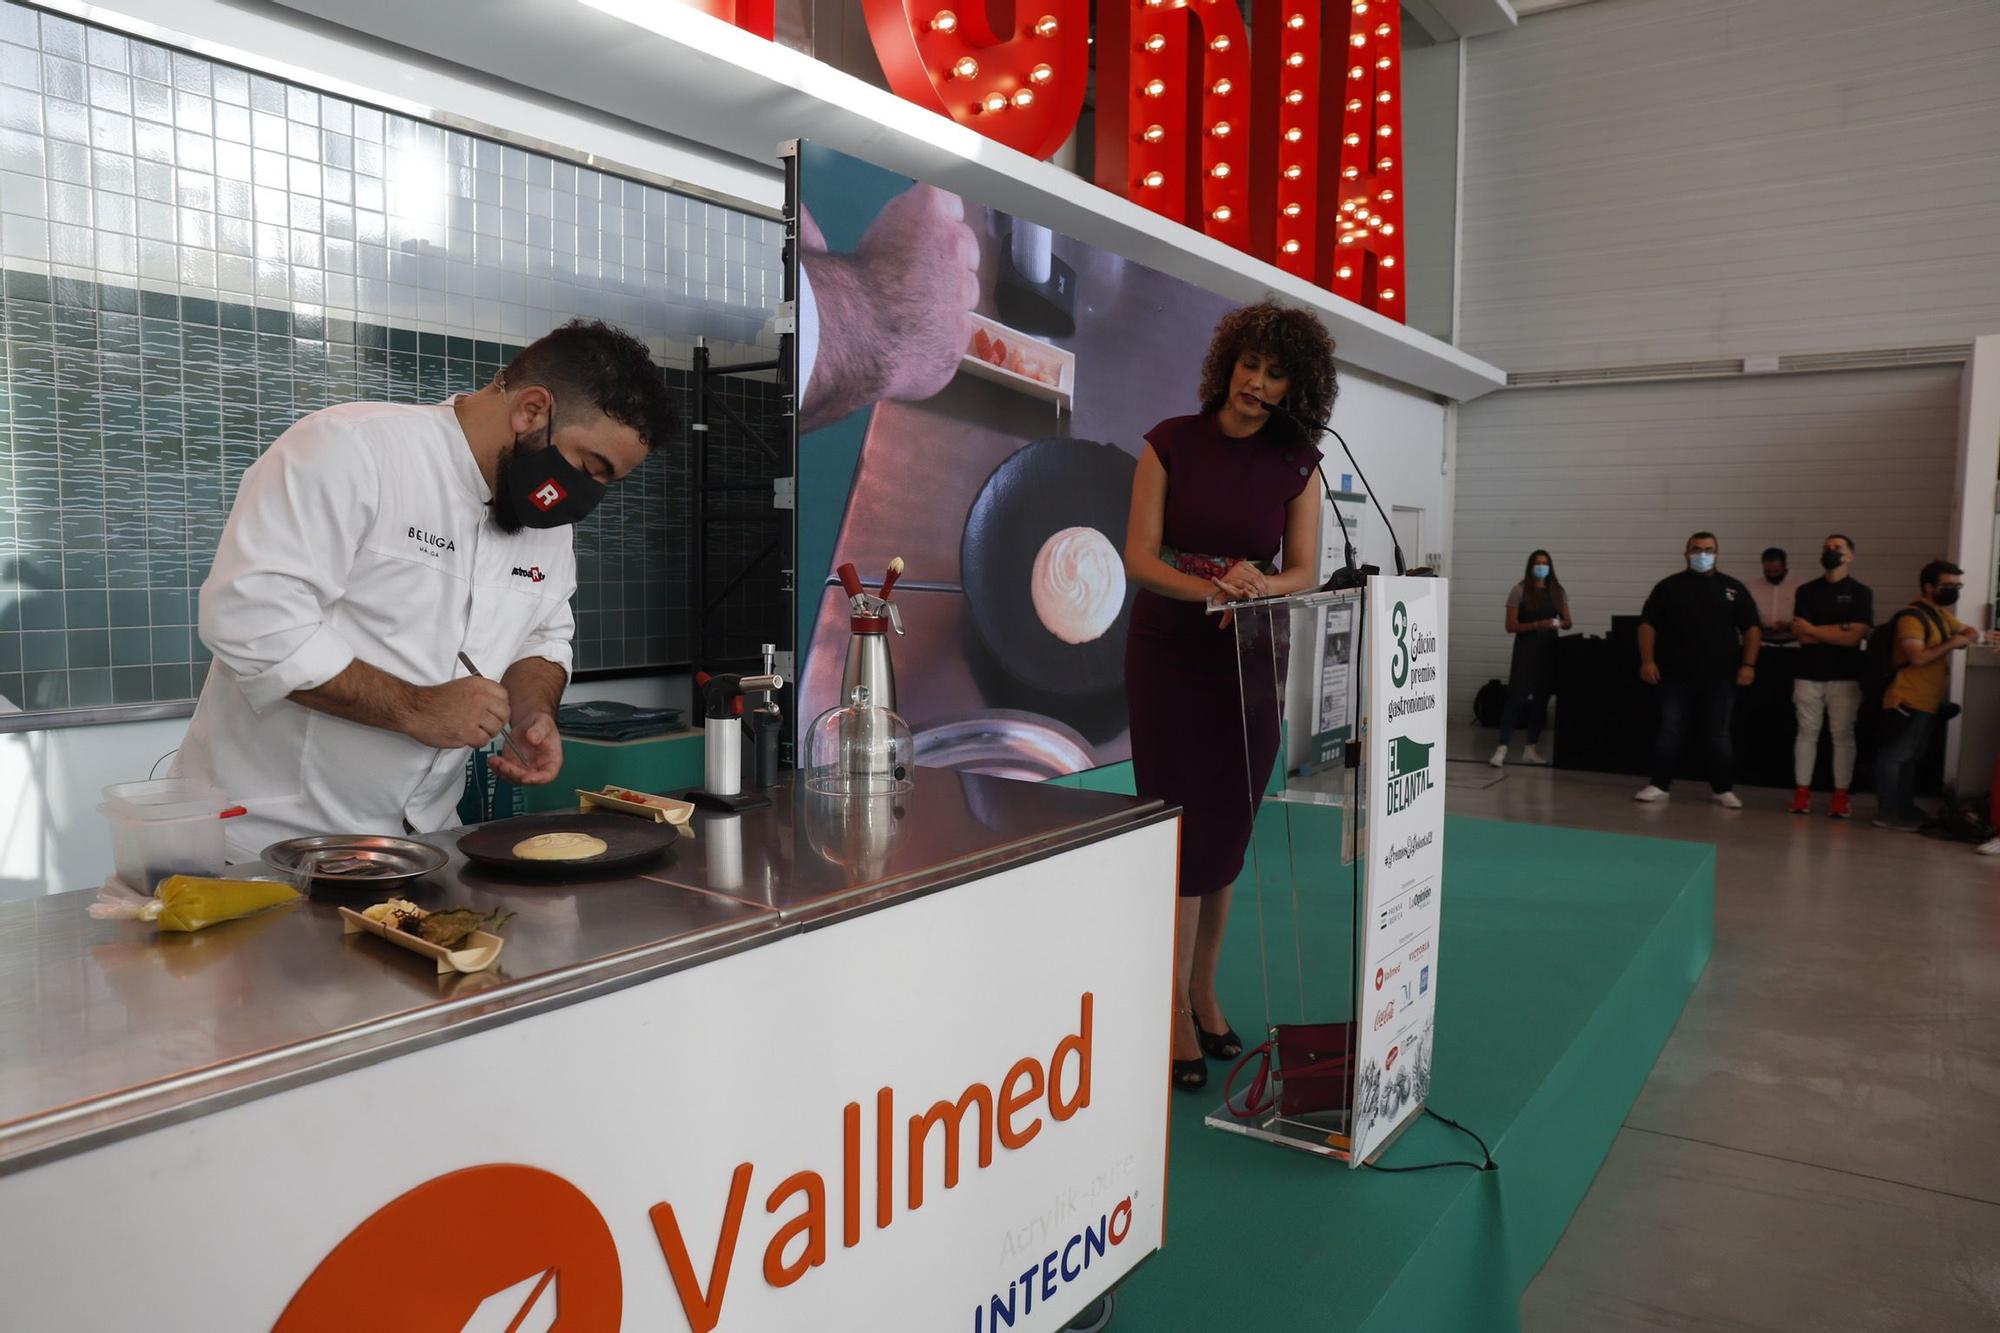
{"x": 1303, "y": 1068}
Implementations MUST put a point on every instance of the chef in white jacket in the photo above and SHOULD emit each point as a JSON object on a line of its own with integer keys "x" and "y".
{"x": 370, "y": 546}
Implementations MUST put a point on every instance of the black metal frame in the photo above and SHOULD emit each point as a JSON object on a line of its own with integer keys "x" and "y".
{"x": 707, "y": 408}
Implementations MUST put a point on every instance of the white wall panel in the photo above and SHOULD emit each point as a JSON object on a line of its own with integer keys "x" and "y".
{"x": 1660, "y": 180}
{"x": 1613, "y": 479}
{"x": 1430, "y": 184}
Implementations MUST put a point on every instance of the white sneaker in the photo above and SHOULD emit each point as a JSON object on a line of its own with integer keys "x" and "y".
{"x": 1499, "y": 759}
{"x": 1728, "y": 800}
{"x": 1651, "y": 793}
{"x": 1990, "y": 848}
{"x": 1532, "y": 756}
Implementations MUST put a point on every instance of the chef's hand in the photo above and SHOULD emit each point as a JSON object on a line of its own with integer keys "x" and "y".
{"x": 895, "y": 316}
{"x": 538, "y": 740}
{"x": 1650, "y": 673}
{"x": 457, "y": 714}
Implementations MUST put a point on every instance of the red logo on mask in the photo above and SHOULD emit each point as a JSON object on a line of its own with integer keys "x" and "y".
{"x": 548, "y": 495}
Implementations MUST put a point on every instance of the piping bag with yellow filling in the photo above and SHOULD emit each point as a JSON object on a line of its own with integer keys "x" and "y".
{"x": 191, "y": 902}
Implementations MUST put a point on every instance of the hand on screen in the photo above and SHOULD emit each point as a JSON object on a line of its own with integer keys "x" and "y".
{"x": 896, "y": 315}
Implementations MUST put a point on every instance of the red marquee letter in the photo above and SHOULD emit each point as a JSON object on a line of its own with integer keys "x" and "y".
{"x": 1025, "y": 91}
{"x": 1361, "y": 245}
{"x": 1173, "y": 119}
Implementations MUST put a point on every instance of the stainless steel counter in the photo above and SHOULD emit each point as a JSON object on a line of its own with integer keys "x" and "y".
{"x": 108, "y": 1028}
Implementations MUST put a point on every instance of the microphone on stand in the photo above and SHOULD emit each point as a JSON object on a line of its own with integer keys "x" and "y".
{"x": 1316, "y": 428}
{"x": 1348, "y": 575}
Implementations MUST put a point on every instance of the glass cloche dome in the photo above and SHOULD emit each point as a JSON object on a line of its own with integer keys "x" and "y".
{"x": 859, "y": 749}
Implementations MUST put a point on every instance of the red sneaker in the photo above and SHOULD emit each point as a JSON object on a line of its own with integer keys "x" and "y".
{"x": 1802, "y": 801}
{"x": 1841, "y": 809}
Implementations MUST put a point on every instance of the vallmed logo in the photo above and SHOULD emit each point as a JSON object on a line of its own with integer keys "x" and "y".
{"x": 1409, "y": 771}
{"x": 524, "y": 1241}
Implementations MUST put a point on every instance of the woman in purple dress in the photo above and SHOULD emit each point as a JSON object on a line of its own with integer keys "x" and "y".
{"x": 1215, "y": 499}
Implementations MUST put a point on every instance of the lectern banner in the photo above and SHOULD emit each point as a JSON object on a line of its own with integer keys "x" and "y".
{"x": 1397, "y": 981}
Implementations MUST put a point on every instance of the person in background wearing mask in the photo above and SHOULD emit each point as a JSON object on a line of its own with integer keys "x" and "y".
{"x": 1774, "y": 596}
{"x": 1831, "y": 616}
{"x": 1927, "y": 634}
{"x": 371, "y": 546}
{"x": 1537, "y": 607}
{"x": 1698, "y": 642}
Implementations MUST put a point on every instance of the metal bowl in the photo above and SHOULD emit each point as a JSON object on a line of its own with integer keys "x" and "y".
{"x": 363, "y": 860}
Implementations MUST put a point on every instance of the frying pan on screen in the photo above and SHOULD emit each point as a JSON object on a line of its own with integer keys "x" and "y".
{"x": 1047, "y": 488}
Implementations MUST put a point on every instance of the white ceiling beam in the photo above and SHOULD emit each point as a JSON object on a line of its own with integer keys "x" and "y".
{"x": 1445, "y": 20}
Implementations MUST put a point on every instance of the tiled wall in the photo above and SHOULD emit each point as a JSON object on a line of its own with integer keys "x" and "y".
{"x": 194, "y": 256}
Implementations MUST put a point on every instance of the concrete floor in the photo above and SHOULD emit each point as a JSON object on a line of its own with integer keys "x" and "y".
{"x": 1818, "y": 1147}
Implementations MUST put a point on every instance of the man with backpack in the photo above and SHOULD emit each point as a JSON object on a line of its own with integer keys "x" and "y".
{"x": 1831, "y": 616}
{"x": 1924, "y": 635}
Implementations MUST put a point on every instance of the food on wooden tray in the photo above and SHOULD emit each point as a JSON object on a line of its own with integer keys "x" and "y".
{"x": 395, "y": 912}
{"x": 453, "y": 927}
{"x": 1078, "y": 584}
{"x": 447, "y": 929}
{"x": 1021, "y": 355}
{"x": 561, "y": 847}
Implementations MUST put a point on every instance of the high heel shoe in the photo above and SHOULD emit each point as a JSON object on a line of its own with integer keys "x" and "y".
{"x": 1218, "y": 1046}
{"x": 1190, "y": 1075}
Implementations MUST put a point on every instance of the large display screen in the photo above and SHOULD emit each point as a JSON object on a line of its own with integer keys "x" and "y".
{"x": 975, "y": 391}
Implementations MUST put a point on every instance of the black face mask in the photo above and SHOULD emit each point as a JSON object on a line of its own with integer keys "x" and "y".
{"x": 1947, "y": 596}
{"x": 539, "y": 488}
{"x": 1829, "y": 560}
{"x": 1777, "y": 578}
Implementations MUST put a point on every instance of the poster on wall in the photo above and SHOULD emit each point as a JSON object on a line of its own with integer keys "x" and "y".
{"x": 975, "y": 392}
{"x": 1396, "y": 983}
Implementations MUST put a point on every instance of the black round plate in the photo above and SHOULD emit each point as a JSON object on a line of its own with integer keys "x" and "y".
{"x": 1040, "y": 490}
{"x": 629, "y": 841}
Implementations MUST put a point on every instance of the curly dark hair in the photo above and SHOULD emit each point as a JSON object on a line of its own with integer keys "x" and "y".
{"x": 1294, "y": 338}
{"x": 588, "y": 361}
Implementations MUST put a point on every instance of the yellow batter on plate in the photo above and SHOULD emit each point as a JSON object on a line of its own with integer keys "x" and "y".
{"x": 560, "y": 847}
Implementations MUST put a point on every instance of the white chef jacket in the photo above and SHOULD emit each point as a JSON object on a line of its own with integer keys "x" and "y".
{"x": 363, "y": 532}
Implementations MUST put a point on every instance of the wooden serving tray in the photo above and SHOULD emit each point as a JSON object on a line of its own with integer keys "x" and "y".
{"x": 482, "y": 948}
{"x": 659, "y": 809}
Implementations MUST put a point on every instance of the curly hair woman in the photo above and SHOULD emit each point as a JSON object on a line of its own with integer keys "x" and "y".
{"x": 1216, "y": 498}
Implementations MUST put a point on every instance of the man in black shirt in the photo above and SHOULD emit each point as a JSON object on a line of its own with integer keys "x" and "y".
{"x": 1830, "y": 617}
{"x": 1698, "y": 641}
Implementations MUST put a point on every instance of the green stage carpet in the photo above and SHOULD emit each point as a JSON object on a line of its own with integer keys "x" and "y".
{"x": 1564, "y": 961}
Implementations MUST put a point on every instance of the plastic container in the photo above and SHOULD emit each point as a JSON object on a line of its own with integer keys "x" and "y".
{"x": 170, "y": 827}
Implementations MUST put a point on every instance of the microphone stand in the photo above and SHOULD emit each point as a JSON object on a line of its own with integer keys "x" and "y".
{"x": 1316, "y": 428}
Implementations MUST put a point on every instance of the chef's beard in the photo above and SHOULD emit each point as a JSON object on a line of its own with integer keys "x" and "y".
{"x": 506, "y": 513}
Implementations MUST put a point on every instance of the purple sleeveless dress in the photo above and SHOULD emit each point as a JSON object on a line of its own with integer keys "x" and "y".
{"x": 1190, "y": 711}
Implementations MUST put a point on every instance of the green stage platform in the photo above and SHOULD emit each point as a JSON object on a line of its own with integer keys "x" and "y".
{"x": 1564, "y": 960}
